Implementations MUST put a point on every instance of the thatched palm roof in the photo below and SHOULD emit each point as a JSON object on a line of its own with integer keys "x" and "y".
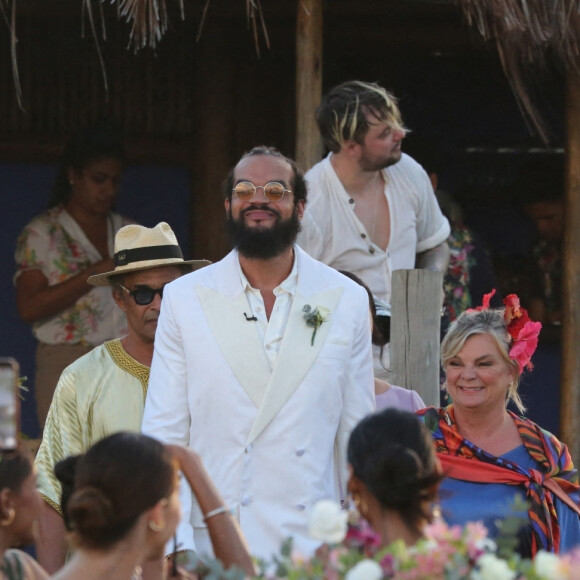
{"x": 528, "y": 34}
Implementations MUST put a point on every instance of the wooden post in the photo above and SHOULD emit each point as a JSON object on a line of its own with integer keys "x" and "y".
{"x": 308, "y": 81}
{"x": 212, "y": 149}
{"x": 570, "y": 375}
{"x": 415, "y": 332}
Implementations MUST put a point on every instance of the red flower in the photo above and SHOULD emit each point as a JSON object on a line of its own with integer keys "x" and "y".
{"x": 523, "y": 331}
{"x": 525, "y": 344}
{"x": 515, "y": 316}
{"x": 484, "y": 303}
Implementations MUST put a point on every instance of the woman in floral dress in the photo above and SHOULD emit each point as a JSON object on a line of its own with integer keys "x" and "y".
{"x": 60, "y": 248}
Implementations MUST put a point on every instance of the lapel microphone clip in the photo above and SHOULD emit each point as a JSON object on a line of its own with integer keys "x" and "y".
{"x": 250, "y": 318}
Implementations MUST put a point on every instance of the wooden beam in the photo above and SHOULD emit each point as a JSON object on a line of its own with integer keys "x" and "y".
{"x": 212, "y": 154}
{"x": 308, "y": 81}
{"x": 570, "y": 376}
{"x": 415, "y": 332}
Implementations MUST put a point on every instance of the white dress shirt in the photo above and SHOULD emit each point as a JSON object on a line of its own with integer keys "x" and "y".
{"x": 272, "y": 331}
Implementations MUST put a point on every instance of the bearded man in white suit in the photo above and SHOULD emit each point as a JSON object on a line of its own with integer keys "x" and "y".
{"x": 263, "y": 366}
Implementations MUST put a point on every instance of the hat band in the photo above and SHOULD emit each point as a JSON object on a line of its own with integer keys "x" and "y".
{"x": 125, "y": 257}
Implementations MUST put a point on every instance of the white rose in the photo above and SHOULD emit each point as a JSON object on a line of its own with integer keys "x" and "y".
{"x": 365, "y": 570}
{"x": 547, "y": 565}
{"x": 492, "y": 568}
{"x": 328, "y": 522}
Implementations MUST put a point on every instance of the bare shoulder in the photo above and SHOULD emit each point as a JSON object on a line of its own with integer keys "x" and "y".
{"x": 20, "y": 565}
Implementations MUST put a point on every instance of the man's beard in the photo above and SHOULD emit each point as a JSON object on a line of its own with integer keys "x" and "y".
{"x": 259, "y": 242}
{"x": 367, "y": 165}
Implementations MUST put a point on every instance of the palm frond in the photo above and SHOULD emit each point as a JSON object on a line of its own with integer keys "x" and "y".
{"x": 528, "y": 34}
{"x": 8, "y": 12}
{"x": 88, "y": 8}
{"x": 148, "y": 19}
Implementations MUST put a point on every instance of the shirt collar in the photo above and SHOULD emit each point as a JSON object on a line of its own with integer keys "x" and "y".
{"x": 288, "y": 285}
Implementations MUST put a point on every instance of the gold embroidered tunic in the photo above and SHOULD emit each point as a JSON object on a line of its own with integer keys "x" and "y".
{"x": 101, "y": 393}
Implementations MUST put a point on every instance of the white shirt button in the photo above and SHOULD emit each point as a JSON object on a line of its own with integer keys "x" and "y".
{"x": 300, "y": 452}
{"x": 246, "y": 501}
{"x": 300, "y": 507}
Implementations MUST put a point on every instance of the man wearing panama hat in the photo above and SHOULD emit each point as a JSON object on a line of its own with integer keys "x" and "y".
{"x": 104, "y": 391}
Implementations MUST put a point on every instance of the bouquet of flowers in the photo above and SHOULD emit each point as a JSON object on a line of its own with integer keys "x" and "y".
{"x": 445, "y": 553}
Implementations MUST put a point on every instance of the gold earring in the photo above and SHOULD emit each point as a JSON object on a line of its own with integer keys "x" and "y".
{"x": 155, "y": 527}
{"x": 353, "y": 516}
{"x": 8, "y": 520}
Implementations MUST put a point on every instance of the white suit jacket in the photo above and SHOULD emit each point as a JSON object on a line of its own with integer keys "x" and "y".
{"x": 274, "y": 460}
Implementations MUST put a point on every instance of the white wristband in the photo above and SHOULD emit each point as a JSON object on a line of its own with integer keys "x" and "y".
{"x": 220, "y": 510}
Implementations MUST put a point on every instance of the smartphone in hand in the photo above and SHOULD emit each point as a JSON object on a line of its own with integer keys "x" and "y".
{"x": 9, "y": 404}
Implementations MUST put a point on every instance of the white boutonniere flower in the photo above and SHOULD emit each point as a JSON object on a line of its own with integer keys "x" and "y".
{"x": 315, "y": 317}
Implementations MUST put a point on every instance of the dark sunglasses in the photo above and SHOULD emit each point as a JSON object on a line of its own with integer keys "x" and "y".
{"x": 273, "y": 191}
{"x": 143, "y": 294}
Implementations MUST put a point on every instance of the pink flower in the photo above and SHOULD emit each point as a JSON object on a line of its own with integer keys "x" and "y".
{"x": 525, "y": 344}
{"x": 364, "y": 537}
{"x": 439, "y": 531}
{"x": 475, "y": 531}
{"x": 523, "y": 331}
{"x": 570, "y": 564}
{"x": 388, "y": 564}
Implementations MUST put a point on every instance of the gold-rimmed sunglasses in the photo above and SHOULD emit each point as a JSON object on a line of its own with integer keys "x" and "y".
{"x": 273, "y": 191}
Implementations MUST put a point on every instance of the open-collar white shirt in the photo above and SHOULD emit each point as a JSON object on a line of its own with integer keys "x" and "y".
{"x": 271, "y": 331}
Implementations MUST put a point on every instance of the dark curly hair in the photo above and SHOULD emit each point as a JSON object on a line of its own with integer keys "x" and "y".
{"x": 15, "y": 467}
{"x": 100, "y": 141}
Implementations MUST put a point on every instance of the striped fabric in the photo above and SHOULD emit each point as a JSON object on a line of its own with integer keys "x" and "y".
{"x": 100, "y": 393}
{"x": 457, "y": 456}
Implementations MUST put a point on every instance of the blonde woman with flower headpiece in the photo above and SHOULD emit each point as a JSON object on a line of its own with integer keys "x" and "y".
{"x": 490, "y": 454}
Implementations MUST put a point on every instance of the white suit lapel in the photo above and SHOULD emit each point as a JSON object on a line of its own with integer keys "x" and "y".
{"x": 237, "y": 338}
{"x": 296, "y": 354}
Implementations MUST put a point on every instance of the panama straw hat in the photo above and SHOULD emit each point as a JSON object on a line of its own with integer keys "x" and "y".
{"x": 141, "y": 248}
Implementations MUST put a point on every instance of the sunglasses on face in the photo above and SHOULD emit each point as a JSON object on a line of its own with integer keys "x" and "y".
{"x": 273, "y": 191}
{"x": 142, "y": 294}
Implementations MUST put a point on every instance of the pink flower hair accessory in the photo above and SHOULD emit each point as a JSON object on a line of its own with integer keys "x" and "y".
{"x": 523, "y": 331}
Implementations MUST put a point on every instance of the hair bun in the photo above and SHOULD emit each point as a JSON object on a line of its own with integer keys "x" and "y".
{"x": 89, "y": 509}
{"x": 394, "y": 475}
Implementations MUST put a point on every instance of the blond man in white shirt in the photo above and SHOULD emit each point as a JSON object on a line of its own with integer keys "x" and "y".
{"x": 371, "y": 208}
